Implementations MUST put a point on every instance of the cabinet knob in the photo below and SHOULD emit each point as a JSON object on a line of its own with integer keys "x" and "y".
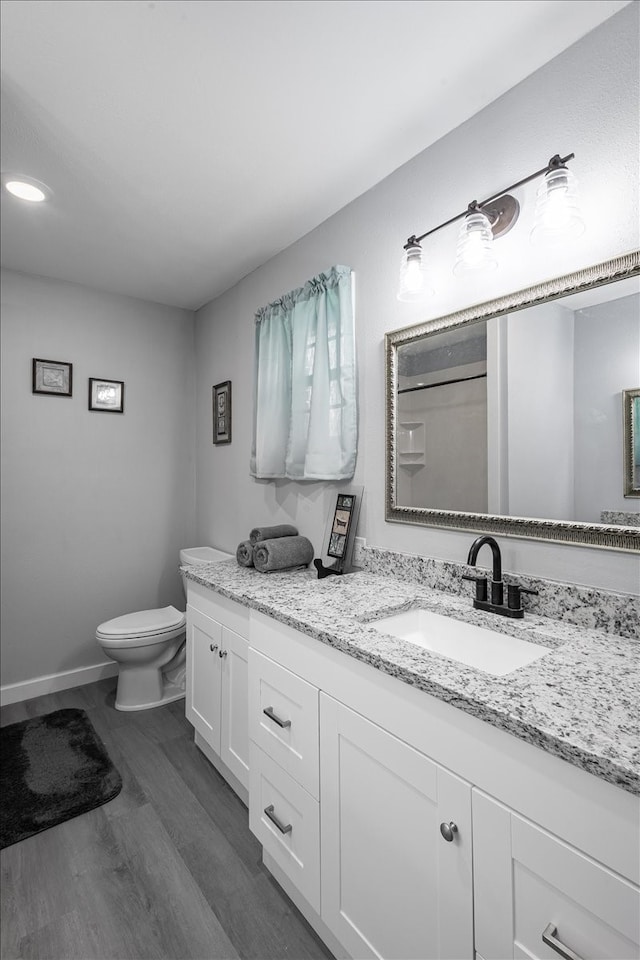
{"x": 448, "y": 830}
{"x": 213, "y": 647}
{"x": 222, "y": 653}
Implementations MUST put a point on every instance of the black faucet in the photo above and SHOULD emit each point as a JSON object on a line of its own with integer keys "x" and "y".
{"x": 513, "y": 606}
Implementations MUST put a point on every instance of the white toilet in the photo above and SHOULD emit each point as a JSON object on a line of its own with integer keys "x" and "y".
{"x": 150, "y": 646}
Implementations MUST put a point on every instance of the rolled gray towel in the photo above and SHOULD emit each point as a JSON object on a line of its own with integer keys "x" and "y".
{"x": 282, "y": 554}
{"x": 244, "y": 553}
{"x": 270, "y": 533}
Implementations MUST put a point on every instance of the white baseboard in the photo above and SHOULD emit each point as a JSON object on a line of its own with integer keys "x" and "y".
{"x": 27, "y": 689}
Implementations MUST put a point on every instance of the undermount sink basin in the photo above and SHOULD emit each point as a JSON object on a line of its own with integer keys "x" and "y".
{"x": 494, "y": 653}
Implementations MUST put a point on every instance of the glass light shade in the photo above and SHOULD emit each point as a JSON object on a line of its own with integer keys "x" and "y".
{"x": 25, "y": 191}
{"x": 557, "y": 215}
{"x": 474, "y": 250}
{"x": 413, "y": 283}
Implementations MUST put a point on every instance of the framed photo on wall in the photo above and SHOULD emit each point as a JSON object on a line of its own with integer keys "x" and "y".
{"x": 54, "y": 378}
{"x": 222, "y": 412}
{"x": 106, "y": 396}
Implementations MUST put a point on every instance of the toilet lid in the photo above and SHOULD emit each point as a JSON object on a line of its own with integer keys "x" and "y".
{"x": 143, "y": 623}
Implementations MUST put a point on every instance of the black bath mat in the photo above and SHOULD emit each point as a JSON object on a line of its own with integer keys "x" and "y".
{"x": 52, "y": 769}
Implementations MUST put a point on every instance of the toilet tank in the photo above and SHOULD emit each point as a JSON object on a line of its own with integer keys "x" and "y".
{"x": 192, "y": 555}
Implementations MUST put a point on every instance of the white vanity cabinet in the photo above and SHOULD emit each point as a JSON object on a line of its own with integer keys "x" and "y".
{"x": 391, "y": 885}
{"x": 217, "y": 678}
{"x": 351, "y": 814}
{"x": 540, "y": 844}
{"x": 537, "y": 898}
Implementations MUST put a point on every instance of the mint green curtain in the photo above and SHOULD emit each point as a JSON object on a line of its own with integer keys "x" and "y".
{"x": 305, "y": 424}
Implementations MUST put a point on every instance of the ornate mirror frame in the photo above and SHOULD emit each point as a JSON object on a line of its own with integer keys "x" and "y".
{"x": 583, "y": 534}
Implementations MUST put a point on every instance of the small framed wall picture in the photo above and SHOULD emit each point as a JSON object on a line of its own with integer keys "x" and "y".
{"x": 106, "y": 396}
{"x": 222, "y": 412}
{"x": 54, "y": 378}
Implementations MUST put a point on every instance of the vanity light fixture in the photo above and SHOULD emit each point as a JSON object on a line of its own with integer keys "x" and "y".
{"x": 556, "y": 215}
{"x": 414, "y": 284}
{"x": 25, "y": 188}
{"x": 475, "y": 242}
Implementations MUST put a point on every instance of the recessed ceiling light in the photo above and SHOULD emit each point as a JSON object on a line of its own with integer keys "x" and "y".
{"x": 25, "y": 188}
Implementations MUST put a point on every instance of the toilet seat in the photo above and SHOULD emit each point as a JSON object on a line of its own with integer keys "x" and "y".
{"x": 142, "y": 628}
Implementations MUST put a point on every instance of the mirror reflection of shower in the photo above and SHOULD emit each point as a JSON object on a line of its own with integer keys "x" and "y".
{"x": 442, "y": 421}
{"x": 520, "y": 415}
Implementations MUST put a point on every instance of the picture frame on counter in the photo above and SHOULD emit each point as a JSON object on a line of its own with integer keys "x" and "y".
{"x": 343, "y": 513}
{"x": 106, "y": 396}
{"x": 222, "y": 412}
{"x": 338, "y": 545}
{"x": 53, "y": 378}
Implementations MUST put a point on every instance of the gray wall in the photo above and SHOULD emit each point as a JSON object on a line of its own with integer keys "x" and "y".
{"x": 583, "y": 101}
{"x": 95, "y": 506}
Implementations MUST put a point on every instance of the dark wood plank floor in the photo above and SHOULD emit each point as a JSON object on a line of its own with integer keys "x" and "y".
{"x": 168, "y": 870}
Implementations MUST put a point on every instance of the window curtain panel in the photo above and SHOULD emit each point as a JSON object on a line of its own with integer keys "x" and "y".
{"x": 305, "y": 424}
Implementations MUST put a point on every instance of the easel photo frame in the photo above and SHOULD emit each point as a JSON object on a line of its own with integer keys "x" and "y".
{"x": 340, "y": 532}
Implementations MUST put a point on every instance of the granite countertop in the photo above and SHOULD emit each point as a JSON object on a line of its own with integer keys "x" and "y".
{"x": 580, "y": 702}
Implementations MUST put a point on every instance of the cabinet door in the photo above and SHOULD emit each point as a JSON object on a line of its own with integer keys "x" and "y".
{"x": 392, "y": 886}
{"x": 202, "y": 709}
{"x": 529, "y": 883}
{"x": 234, "y": 739}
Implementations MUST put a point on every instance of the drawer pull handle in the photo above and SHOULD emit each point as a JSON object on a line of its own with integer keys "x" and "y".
{"x": 213, "y": 647}
{"x": 550, "y": 937}
{"x": 268, "y": 711}
{"x": 448, "y": 830}
{"x": 223, "y": 653}
{"x": 281, "y": 827}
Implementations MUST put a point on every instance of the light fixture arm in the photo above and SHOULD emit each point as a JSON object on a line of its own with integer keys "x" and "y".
{"x": 554, "y": 163}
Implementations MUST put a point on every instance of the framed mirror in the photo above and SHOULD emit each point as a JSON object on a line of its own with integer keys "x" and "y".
{"x": 504, "y": 418}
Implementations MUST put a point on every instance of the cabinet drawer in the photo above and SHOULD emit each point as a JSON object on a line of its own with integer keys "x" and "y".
{"x": 529, "y": 882}
{"x": 283, "y": 719}
{"x": 594, "y": 912}
{"x": 286, "y": 821}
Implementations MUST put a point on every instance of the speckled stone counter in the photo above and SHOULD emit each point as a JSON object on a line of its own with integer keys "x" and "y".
{"x": 579, "y": 702}
{"x": 627, "y": 518}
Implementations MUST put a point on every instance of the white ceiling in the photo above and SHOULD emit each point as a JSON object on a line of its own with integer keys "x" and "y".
{"x": 186, "y": 143}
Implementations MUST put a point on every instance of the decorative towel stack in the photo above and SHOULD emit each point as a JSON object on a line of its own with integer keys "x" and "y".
{"x": 275, "y": 548}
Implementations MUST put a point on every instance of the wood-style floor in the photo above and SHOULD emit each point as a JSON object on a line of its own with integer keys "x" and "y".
{"x": 168, "y": 870}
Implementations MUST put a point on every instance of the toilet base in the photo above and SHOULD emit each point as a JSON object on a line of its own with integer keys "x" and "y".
{"x": 171, "y": 692}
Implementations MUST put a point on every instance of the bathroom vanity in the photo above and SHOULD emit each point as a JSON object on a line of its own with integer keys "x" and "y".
{"x": 409, "y": 804}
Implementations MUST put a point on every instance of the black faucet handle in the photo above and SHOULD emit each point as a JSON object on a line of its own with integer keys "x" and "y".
{"x": 514, "y": 591}
{"x": 481, "y": 585}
